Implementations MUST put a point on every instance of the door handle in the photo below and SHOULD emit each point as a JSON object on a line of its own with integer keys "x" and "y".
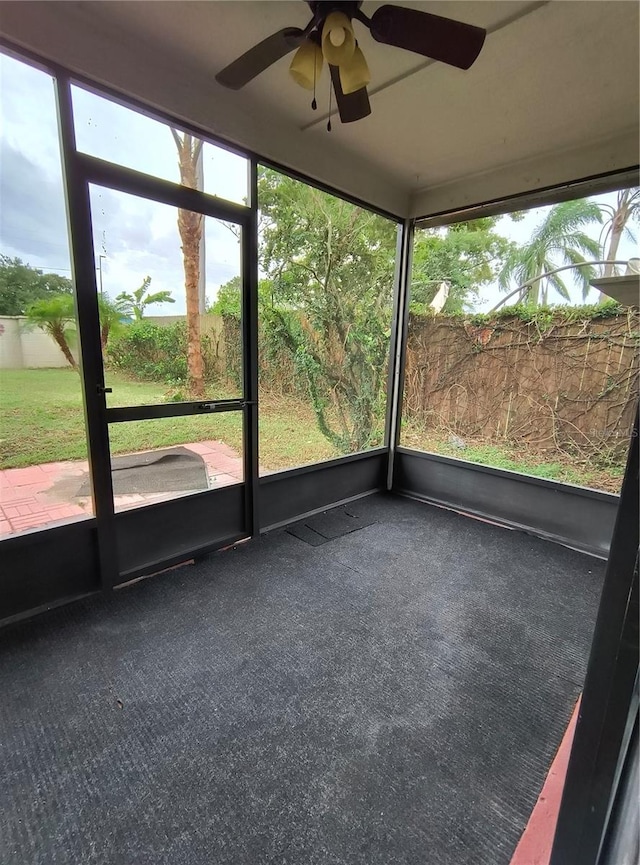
{"x": 102, "y": 389}
{"x": 223, "y": 405}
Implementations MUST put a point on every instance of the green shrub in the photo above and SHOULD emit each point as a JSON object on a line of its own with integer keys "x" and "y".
{"x": 157, "y": 352}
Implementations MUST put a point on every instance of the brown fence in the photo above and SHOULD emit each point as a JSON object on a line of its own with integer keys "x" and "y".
{"x": 571, "y": 385}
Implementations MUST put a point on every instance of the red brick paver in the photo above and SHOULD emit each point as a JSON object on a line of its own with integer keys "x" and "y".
{"x": 43, "y": 495}
{"x": 535, "y": 844}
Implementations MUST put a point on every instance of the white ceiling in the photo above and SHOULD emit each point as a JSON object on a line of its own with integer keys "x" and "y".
{"x": 553, "y": 97}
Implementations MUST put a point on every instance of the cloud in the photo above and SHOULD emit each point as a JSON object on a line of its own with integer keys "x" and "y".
{"x": 33, "y": 222}
{"x": 140, "y": 238}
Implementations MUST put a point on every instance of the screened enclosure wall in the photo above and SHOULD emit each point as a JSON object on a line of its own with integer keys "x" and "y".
{"x": 158, "y": 270}
{"x": 170, "y": 285}
{"x": 43, "y": 445}
{"x": 513, "y": 359}
{"x": 325, "y": 316}
{"x": 124, "y": 136}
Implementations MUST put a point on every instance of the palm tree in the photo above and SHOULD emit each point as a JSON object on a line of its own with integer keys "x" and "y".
{"x": 135, "y": 303}
{"x": 190, "y": 228}
{"x": 55, "y": 316}
{"x": 558, "y": 240}
{"x": 627, "y": 206}
{"x": 110, "y": 318}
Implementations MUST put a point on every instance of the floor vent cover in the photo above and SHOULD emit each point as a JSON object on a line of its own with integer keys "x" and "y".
{"x": 328, "y": 526}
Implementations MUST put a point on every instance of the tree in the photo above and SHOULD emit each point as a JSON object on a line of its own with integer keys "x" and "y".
{"x": 55, "y": 316}
{"x": 229, "y": 298}
{"x": 110, "y": 318}
{"x": 627, "y": 207}
{"x": 331, "y": 266}
{"x": 134, "y": 304}
{"x": 190, "y": 226}
{"x": 466, "y": 256}
{"x": 558, "y": 240}
{"x": 21, "y": 285}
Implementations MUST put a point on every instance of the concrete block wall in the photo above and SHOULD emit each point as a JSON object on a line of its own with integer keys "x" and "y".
{"x": 22, "y": 347}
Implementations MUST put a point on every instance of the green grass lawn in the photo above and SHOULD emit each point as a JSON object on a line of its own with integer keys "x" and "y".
{"x": 41, "y": 420}
{"x": 553, "y": 465}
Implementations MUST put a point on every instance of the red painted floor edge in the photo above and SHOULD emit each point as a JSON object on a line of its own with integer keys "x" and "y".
{"x": 534, "y": 847}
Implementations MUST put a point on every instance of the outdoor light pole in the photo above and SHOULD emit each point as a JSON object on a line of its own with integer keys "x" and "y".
{"x": 100, "y": 257}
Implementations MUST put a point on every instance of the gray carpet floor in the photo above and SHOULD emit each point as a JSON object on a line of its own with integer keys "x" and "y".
{"x": 394, "y": 696}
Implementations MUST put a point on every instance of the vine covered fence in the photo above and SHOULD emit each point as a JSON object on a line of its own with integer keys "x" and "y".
{"x": 562, "y": 380}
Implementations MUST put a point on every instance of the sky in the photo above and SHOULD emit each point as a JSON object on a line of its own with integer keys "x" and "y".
{"x": 521, "y": 231}
{"x": 133, "y": 238}
{"x": 136, "y": 237}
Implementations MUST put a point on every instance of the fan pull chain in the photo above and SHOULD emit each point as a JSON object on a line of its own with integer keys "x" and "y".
{"x": 330, "y": 95}
{"x": 314, "y": 104}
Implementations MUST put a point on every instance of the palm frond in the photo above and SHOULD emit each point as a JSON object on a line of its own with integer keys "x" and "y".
{"x": 581, "y": 241}
{"x": 568, "y": 217}
{"x": 558, "y": 283}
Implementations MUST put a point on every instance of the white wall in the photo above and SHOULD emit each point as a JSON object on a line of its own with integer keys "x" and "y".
{"x": 24, "y": 348}
{"x": 11, "y": 356}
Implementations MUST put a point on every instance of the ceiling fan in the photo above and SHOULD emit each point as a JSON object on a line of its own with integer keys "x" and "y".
{"x": 329, "y": 36}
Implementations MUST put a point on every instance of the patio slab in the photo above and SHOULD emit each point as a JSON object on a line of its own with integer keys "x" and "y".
{"x": 47, "y": 494}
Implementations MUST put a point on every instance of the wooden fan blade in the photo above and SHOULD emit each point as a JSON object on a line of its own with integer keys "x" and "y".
{"x": 260, "y": 57}
{"x": 432, "y": 36}
{"x": 351, "y": 106}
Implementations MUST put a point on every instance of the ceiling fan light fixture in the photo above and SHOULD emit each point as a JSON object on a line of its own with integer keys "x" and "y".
{"x": 329, "y": 36}
{"x": 306, "y": 66}
{"x": 354, "y": 75}
{"x": 338, "y": 39}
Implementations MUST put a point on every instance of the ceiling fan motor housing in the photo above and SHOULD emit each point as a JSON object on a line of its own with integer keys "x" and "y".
{"x": 321, "y": 8}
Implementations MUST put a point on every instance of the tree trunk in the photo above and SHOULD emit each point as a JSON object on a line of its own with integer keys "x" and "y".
{"x": 618, "y": 221}
{"x": 614, "y": 243}
{"x": 63, "y": 345}
{"x": 190, "y": 226}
